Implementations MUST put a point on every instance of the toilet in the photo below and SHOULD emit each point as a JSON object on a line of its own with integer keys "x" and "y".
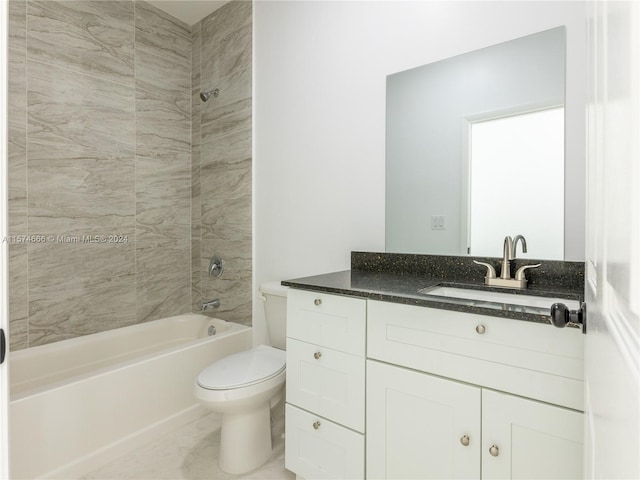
{"x": 243, "y": 387}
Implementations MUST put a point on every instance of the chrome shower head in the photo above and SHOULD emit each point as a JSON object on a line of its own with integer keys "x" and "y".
{"x": 204, "y": 96}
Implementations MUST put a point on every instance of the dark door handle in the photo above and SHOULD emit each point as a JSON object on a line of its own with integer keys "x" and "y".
{"x": 3, "y": 345}
{"x": 561, "y": 315}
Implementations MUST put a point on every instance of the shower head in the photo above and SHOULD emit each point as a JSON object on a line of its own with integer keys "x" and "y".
{"x": 204, "y": 96}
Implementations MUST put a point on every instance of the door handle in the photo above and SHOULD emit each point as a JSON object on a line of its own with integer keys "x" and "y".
{"x": 3, "y": 345}
{"x": 561, "y": 315}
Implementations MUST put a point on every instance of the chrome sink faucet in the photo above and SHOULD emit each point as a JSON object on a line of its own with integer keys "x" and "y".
{"x": 508, "y": 254}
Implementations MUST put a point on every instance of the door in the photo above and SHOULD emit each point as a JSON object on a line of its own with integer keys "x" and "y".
{"x": 526, "y": 439}
{"x": 420, "y": 426}
{"x": 4, "y": 256}
{"x": 612, "y": 346}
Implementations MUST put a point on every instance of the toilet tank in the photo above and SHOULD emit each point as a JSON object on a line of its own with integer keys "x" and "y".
{"x": 275, "y": 310}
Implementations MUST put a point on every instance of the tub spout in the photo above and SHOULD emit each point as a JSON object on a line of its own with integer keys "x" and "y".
{"x": 210, "y": 304}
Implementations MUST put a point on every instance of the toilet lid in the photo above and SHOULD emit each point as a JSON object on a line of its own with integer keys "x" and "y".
{"x": 243, "y": 369}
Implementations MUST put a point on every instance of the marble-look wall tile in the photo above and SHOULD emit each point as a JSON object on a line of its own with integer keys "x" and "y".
{"x": 100, "y": 144}
{"x": 95, "y": 38}
{"x": 67, "y": 314}
{"x": 226, "y": 222}
{"x": 81, "y": 153}
{"x": 196, "y": 234}
{"x": 224, "y": 152}
{"x": 18, "y": 299}
{"x": 17, "y": 118}
{"x": 226, "y": 64}
{"x": 17, "y": 173}
{"x": 163, "y": 164}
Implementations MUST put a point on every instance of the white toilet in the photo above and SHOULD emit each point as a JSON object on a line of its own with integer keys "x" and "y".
{"x": 243, "y": 387}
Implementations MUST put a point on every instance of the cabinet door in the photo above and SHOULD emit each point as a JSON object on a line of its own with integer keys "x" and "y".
{"x": 326, "y": 382}
{"x": 527, "y": 439}
{"x": 420, "y": 426}
{"x": 319, "y": 448}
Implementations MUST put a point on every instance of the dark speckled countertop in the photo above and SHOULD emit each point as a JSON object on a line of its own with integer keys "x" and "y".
{"x": 398, "y": 278}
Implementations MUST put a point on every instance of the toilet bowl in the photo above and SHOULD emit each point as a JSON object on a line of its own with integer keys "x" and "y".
{"x": 243, "y": 387}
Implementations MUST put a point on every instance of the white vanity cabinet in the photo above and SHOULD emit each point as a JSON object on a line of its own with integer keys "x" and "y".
{"x": 455, "y": 425}
{"x": 325, "y": 388}
{"x": 446, "y": 394}
{"x": 421, "y": 426}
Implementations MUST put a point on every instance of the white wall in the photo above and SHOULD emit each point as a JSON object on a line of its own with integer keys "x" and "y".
{"x": 319, "y": 113}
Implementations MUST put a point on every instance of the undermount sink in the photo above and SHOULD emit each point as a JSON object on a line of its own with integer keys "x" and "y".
{"x": 498, "y": 297}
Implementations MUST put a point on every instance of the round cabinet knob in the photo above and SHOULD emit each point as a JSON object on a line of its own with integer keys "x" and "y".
{"x": 494, "y": 450}
{"x": 316, "y": 425}
{"x": 464, "y": 440}
{"x": 480, "y": 329}
{"x": 317, "y": 301}
{"x": 317, "y": 355}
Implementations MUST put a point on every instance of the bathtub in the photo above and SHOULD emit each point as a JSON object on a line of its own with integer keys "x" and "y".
{"x": 79, "y": 403}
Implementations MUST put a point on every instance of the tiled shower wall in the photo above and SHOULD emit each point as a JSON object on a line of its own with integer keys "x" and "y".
{"x": 222, "y": 157}
{"x": 100, "y": 168}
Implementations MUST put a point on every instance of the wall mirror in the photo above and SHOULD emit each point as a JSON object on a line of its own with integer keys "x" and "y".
{"x": 475, "y": 151}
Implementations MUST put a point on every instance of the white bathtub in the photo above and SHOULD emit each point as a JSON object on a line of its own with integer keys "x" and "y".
{"x": 79, "y": 403}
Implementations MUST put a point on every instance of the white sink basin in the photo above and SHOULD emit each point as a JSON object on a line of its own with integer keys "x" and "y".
{"x": 499, "y": 297}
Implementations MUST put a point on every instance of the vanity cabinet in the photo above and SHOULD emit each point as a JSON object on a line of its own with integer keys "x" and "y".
{"x": 421, "y": 426}
{"x": 325, "y": 387}
{"x": 425, "y": 426}
{"x": 447, "y": 394}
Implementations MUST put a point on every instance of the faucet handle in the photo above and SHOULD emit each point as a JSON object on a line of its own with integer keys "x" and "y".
{"x": 491, "y": 271}
{"x": 521, "y": 270}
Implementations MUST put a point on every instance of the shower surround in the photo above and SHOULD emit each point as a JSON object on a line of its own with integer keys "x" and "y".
{"x": 104, "y": 166}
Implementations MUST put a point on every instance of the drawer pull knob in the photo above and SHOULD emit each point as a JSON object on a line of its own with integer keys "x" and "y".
{"x": 317, "y": 301}
{"x": 480, "y": 329}
{"x": 316, "y": 425}
{"x": 317, "y": 355}
{"x": 494, "y": 450}
{"x": 464, "y": 440}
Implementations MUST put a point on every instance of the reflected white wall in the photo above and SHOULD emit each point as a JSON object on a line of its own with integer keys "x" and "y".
{"x": 517, "y": 184}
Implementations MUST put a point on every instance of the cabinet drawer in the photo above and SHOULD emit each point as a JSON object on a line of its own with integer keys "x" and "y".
{"x": 318, "y": 448}
{"x": 530, "y": 359}
{"x": 327, "y": 382}
{"x": 328, "y": 320}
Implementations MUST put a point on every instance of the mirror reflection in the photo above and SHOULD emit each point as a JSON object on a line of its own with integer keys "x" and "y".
{"x": 475, "y": 151}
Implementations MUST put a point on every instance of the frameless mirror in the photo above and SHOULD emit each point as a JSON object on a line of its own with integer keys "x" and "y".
{"x": 475, "y": 151}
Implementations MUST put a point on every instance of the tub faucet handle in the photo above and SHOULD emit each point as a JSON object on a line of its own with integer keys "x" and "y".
{"x": 210, "y": 304}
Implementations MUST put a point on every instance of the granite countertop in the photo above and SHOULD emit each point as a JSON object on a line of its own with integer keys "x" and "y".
{"x": 403, "y": 288}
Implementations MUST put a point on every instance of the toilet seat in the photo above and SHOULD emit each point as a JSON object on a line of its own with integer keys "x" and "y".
{"x": 243, "y": 369}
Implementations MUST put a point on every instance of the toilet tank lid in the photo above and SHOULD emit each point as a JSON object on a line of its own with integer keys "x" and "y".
{"x": 274, "y": 288}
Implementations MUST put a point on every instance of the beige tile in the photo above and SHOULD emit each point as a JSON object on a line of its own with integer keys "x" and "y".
{"x": 231, "y": 17}
{"x": 163, "y": 117}
{"x": 18, "y": 298}
{"x": 17, "y": 118}
{"x": 163, "y": 286}
{"x": 94, "y": 38}
{"x": 166, "y": 35}
{"x": 81, "y": 154}
{"x": 162, "y": 50}
{"x": 66, "y": 314}
{"x": 55, "y": 267}
{"x": 219, "y": 121}
{"x": 73, "y": 115}
{"x": 18, "y": 24}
